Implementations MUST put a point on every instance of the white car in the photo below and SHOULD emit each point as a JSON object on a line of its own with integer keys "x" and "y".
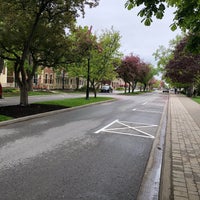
{"x": 106, "y": 88}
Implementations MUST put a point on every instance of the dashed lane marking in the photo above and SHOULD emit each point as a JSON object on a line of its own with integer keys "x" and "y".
{"x": 150, "y": 111}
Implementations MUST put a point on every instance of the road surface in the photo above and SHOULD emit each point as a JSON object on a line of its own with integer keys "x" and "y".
{"x": 98, "y": 152}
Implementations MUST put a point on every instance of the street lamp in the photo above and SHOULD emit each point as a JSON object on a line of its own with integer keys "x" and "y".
{"x": 88, "y": 79}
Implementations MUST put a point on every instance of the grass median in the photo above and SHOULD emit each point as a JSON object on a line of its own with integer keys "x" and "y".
{"x": 197, "y": 99}
{"x": 16, "y": 111}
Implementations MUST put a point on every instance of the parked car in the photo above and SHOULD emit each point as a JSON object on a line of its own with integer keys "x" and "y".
{"x": 166, "y": 90}
{"x": 106, "y": 88}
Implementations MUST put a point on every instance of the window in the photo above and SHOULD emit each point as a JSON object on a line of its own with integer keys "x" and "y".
{"x": 51, "y": 79}
{"x": 46, "y": 78}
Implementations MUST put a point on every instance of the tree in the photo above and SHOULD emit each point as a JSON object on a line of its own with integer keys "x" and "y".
{"x": 23, "y": 24}
{"x": 184, "y": 68}
{"x": 128, "y": 71}
{"x": 85, "y": 43}
{"x": 186, "y": 16}
{"x": 153, "y": 83}
{"x": 163, "y": 54}
{"x": 146, "y": 73}
{"x": 103, "y": 63}
{"x": 103, "y": 55}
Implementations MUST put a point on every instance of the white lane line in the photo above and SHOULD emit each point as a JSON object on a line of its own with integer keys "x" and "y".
{"x": 134, "y": 109}
{"x": 139, "y": 123}
{"x": 134, "y": 128}
{"x": 150, "y": 111}
{"x": 129, "y": 134}
{"x": 145, "y": 103}
{"x": 102, "y": 129}
{"x": 125, "y": 127}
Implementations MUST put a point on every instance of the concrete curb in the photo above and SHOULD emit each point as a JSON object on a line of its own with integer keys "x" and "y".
{"x": 165, "y": 183}
{"x": 150, "y": 185}
{"x": 54, "y": 112}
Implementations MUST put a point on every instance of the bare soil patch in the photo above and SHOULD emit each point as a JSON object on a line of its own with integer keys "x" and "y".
{"x": 17, "y": 111}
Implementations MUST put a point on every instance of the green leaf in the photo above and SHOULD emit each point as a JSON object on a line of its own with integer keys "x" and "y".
{"x": 141, "y": 13}
{"x": 130, "y": 6}
{"x": 173, "y": 27}
{"x": 159, "y": 15}
{"x": 147, "y": 22}
{"x": 161, "y": 7}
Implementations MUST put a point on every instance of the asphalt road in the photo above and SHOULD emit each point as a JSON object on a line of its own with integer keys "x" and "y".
{"x": 93, "y": 153}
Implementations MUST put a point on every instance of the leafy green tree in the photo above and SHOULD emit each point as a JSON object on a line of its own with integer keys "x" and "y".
{"x": 146, "y": 74}
{"x": 103, "y": 64}
{"x": 84, "y": 44}
{"x": 23, "y": 27}
{"x": 186, "y": 16}
{"x": 164, "y": 54}
{"x": 102, "y": 54}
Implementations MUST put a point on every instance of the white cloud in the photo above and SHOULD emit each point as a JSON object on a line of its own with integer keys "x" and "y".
{"x": 136, "y": 37}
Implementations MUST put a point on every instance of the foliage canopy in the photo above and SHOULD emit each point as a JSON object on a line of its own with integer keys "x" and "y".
{"x": 186, "y": 16}
{"x": 33, "y": 31}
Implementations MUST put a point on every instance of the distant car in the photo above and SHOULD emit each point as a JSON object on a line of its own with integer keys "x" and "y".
{"x": 106, "y": 88}
{"x": 166, "y": 90}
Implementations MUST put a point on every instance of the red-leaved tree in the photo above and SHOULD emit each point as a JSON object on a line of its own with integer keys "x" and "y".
{"x": 128, "y": 71}
{"x": 184, "y": 67}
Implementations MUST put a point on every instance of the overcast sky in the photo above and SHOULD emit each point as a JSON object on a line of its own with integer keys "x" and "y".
{"x": 136, "y": 37}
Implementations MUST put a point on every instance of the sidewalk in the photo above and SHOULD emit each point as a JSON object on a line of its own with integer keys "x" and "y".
{"x": 181, "y": 171}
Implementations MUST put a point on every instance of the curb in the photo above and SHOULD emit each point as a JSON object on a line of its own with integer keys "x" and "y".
{"x": 150, "y": 186}
{"x": 165, "y": 183}
{"x": 54, "y": 112}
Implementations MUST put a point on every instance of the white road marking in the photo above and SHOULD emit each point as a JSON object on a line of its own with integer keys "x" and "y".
{"x": 136, "y": 128}
{"x": 106, "y": 126}
{"x": 150, "y": 111}
{"x": 140, "y": 123}
{"x": 145, "y": 103}
{"x": 125, "y": 124}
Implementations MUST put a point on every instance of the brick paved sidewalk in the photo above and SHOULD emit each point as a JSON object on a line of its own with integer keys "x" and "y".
{"x": 181, "y": 174}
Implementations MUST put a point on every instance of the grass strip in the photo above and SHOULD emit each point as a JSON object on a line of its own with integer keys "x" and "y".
{"x": 4, "y": 118}
{"x": 197, "y": 99}
{"x": 133, "y": 93}
{"x": 73, "y": 102}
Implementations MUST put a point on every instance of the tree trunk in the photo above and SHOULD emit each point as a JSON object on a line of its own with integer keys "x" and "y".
{"x": 144, "y": 88}
{"x": 77, "y": 83}
{"x": 23, "y": 95}
{"x": 22, "y": 82}
{"x": 63, "y": 80}
{"x": 190, "y": 91}
{"x": 30, "y": 85}
{"x": 135, "y": 84}
{"x": 94, "y": 88}
{"x": 95, "y": 93}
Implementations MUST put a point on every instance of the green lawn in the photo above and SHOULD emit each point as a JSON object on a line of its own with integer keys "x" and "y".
{"x": 76, "y": 101}
{"x": 73, "y": 102}
{"x": 134, "y": 93}
{"x": 10, "y": 92}
{"x": 4, "y": 118}
{"x": 197, "y": 99}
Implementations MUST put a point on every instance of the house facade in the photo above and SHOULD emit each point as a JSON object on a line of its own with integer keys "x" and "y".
{"x": 50, "y": 79}
{"x": 7, "y": 77}
{"x": 47, "y": 78}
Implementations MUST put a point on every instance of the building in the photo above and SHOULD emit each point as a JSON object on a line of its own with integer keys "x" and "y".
{"x": 47, "y": 78}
